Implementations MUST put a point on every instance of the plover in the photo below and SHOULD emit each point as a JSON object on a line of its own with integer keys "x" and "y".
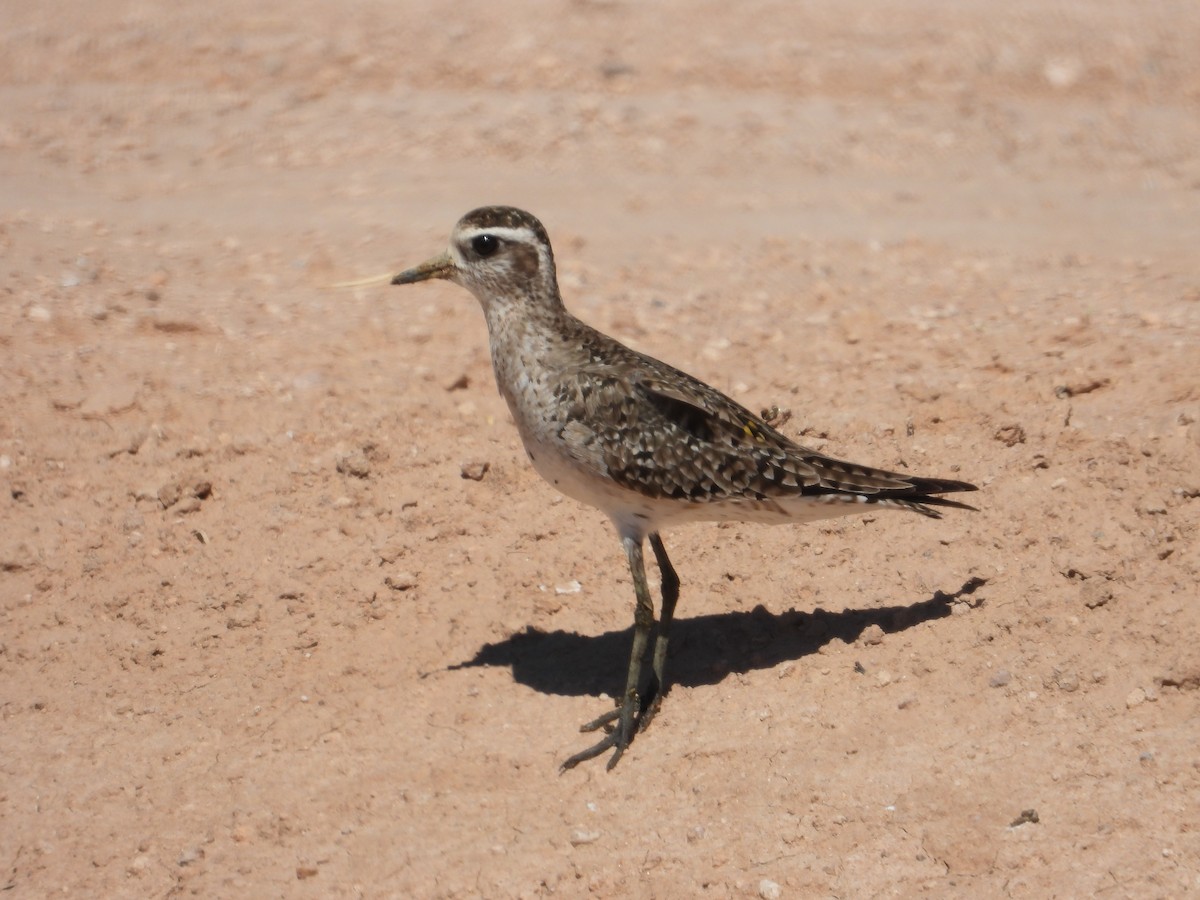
{"x": 643, "y": 442}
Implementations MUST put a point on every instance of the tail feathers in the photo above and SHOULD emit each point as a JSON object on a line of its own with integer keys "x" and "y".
{"x": 924, "y": 506}
{"x": 925, "y": 491}
{"x": 920, "y": 495}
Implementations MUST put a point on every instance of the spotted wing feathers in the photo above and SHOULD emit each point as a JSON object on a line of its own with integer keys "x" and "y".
{"x": 666, "y": 435}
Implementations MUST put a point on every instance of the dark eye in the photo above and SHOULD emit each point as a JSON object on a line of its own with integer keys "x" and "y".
{"x": 485, "y": 244}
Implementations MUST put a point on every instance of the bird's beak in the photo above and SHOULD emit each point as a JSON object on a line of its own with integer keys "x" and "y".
{"x": 440, "y": 266}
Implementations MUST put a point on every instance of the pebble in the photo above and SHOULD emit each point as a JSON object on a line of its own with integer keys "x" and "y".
{"x": 475, "y": 470}
{"x": 1010, "y": 435}
{"x": 354, "y": 464}
{"x": 188, "y": 505}
{"x": 580, "y": 836}
{"x": 1095, "y": 593}
{"x": 169, "y": 494}
{"x": 1000, "y": 678}
{"x": 1136, "y": 697}
{"x": 1067, "y": 681}
{"x": 871, "y": 635}
{"x": 191, "y": 855}
{"x": 769, "y": 890}
{"x": 401, "y": 581}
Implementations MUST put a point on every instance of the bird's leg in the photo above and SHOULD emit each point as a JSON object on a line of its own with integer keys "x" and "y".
{"x": 670, "y": 595}
{"x": 627, "y": 709}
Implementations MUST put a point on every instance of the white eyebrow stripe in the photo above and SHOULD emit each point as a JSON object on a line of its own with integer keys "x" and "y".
{"x": 518, "y": 235}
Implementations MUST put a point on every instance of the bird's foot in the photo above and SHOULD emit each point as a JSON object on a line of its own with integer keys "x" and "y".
{"x": 619, "y": 725}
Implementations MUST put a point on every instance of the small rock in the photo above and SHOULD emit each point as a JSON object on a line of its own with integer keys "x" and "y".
{"x": 871, "y": 635}
{"x": 1000, "y": 678}
{"x": 190, "y": 856}
{"x": 401, "y": 581}
{"x": 1010, "y": 435}
{"x": 1136, "y": 697}
{"x": 169, "y": 494}
{"x": 580, "y": 836}
{"x": 1095, "y": 593}
{"x": 547, "y": 604}
{"x": 1067, "y": 681}
{"x": 769, "y": 890}
{"x": 188, "y": 505}
{"x": 475, "y": 470}
{"x": 303, "y": 872}
{"x": 354, "y": 464}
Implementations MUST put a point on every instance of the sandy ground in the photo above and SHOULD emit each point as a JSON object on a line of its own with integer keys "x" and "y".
{"x": 261, "y": 637}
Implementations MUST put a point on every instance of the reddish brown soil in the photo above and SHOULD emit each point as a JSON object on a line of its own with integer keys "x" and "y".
{"x": 260, "y": 637}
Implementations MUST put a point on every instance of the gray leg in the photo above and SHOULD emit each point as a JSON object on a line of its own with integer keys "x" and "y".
{"x": 626, "y": 713}
{"x": 670, "y": 596}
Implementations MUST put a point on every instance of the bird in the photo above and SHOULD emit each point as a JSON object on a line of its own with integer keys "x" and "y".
{"x": 640, "y": 440}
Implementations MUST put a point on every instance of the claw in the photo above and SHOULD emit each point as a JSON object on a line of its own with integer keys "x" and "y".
{"x": 601, "y": 721}
{"x": 616, "y": 738}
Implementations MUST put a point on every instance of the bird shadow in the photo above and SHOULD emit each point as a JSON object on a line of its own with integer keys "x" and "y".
{"x": 704, "y": 649}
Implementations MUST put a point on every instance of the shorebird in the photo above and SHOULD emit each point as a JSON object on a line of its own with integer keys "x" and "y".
{"x": 643, "y": 442}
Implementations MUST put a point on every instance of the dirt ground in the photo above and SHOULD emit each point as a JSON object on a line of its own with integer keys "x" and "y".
{"x": 263, "y": 635}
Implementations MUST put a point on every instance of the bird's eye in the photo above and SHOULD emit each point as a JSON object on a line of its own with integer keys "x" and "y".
{"x": 485, "y": 244}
